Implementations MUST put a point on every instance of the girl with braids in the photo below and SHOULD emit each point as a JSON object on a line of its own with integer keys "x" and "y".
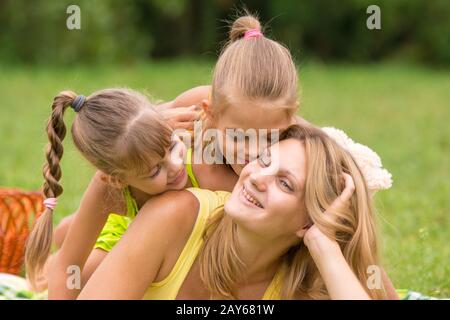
{"x": 299, "y": 224}
{"x": 131, "y": 144}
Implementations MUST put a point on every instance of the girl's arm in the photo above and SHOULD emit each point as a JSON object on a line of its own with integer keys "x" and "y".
{"x": 190, "y": 97}
{"x": 164, "y": 223}
{"x": 80, "y": 239}
{"x": 185, "y": 109}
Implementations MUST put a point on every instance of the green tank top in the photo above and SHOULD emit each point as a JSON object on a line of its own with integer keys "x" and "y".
{"x": 117, "y": 224}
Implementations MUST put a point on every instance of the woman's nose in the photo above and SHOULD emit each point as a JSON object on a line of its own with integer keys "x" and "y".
{"x": 258, "y": 180}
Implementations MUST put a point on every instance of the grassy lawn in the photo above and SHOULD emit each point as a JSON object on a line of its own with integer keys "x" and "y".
{"x": 402, "y": 112}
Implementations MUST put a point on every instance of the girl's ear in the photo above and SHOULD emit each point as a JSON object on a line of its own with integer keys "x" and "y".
{"x": 206, "y": 107}
{"x": 113, "y": 181}
{"x": 103, "y": 177}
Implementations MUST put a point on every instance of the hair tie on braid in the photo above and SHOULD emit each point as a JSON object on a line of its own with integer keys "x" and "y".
{"x": 78, "y": 102}
{"x": 50, "y": 203}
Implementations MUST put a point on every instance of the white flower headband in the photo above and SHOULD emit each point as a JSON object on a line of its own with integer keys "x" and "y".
{"x": 377, "y": 178}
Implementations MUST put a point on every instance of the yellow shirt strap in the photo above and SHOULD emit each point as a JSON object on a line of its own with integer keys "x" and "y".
{"x": 189, "y": 170}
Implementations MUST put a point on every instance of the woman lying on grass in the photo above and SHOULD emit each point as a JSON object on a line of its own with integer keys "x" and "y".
{"x": 299, "y": 224}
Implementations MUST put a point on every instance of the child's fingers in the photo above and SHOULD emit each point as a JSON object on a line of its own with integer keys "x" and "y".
{"x": 187, "y": 115}
{"x": 192, "y": 116}
{"x": 195, "y": 107}
{"x": 189, "y": 125}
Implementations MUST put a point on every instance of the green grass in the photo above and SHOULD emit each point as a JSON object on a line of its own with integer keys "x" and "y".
{"x": 402, "y": 112}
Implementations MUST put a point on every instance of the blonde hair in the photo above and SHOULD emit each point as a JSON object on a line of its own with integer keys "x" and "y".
{"x": 116, "y": 130}
{"x": 354, "y": 229}
{"x": 255, "y": 68}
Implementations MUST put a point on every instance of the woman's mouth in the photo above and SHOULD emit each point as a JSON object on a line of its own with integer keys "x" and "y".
{"x": 249, "y": 199}
{"x": 178, "y": 178}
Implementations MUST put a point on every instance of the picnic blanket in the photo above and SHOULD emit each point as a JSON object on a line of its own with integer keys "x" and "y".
{"x": 16, "y": 288}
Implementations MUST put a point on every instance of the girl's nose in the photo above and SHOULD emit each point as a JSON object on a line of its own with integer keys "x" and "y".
{"x": 175, "y": 161}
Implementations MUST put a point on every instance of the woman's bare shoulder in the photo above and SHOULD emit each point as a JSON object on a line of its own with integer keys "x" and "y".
{"x": 176, "y": 211}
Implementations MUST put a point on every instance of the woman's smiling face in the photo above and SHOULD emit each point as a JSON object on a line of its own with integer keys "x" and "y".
{"x": 268, "y": 199}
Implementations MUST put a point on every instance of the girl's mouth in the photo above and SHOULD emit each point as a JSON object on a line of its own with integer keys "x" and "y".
{"x": 178, "y": 178}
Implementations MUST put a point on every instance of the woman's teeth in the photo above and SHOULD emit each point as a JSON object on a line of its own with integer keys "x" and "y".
{"x": 250, "y": 198}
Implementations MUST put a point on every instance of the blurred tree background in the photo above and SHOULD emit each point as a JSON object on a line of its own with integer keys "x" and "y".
{"x": 34, "y": 32}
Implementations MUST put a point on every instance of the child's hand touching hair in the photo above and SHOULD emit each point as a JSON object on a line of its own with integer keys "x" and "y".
{"x": 182, "y": 117}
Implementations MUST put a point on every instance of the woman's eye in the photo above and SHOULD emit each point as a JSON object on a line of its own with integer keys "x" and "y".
{"x": 156, "y": 171}
{"x": 286, "y": 185}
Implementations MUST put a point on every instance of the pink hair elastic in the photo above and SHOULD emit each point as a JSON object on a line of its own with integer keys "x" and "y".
{"x": 252, "y": 33}
{"x": 50, "y": 203}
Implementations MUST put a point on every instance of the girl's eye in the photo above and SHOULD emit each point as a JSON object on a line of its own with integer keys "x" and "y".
{"x": 264, "y": 158}
{"x": 286, "y": 185}
{"x": 155, "y": 171}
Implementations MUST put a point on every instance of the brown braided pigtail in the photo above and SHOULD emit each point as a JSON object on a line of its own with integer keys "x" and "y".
{"x": 40, "y": 240}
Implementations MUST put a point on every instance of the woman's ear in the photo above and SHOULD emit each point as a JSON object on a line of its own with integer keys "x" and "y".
{"x": 301, "y": 232}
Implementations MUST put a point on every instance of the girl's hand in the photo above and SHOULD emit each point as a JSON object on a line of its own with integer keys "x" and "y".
{"x": 316, "y": 239}
{"x": 182, "y": 117}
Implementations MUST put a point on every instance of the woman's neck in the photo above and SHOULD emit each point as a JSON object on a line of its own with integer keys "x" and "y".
{"x": 261, "y": 255}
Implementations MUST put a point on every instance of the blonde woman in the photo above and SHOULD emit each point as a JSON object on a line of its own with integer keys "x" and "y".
{"x": 293, "y": 228}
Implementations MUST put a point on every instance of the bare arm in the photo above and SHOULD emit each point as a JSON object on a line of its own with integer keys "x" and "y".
{"x": 341, "y": 282}
{"x": 190, "y": 97}
{"x": 135, "y": 261}
{"x": 339, "y": 278}
{"x": 80, "y": 239}
{"x": 185, "y": 109}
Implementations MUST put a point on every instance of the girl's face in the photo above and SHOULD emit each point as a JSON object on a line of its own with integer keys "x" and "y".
{"x": 268, "y": 199}
{"x": 169, "y": 174}
{"x": 241, "y": 116}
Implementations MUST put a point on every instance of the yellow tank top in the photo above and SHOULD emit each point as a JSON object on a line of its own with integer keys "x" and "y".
{"x": 117, "y": 224}
{"x": 211, "y": 202}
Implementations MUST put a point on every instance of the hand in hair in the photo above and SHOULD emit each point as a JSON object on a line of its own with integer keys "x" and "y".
{"x": 339, "y": 278}
{"x": 312, "y": 233}
{"x": 182, "y": 117}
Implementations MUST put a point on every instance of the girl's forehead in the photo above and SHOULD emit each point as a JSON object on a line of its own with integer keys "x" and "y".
{"x": 256, "y": 117}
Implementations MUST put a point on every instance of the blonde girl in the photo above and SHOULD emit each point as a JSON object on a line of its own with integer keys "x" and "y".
{"x": 299, "y": 224}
